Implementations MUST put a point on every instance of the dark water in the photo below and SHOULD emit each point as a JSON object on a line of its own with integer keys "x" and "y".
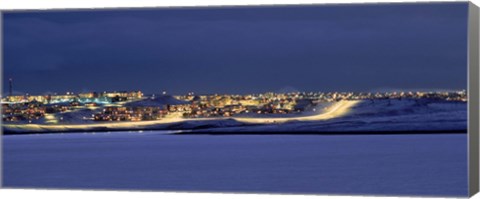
{"x": 358, "y": 164}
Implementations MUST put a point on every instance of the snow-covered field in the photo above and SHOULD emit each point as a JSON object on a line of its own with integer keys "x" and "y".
{"x": 421, "y": 165}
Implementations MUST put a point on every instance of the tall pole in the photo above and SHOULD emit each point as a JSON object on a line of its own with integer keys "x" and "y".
{"x": 10, "y": 81}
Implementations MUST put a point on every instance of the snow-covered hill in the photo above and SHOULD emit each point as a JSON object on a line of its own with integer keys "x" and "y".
{"x": 156, "y": 102}
{"x": 406, "y": 115}
{"x": 379, "y": 116}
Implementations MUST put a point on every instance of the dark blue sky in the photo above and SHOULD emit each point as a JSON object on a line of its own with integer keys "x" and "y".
{"x": 239, "y": 50}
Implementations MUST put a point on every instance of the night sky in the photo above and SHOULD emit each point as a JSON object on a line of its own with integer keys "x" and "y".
{"x": 238, "y": 49}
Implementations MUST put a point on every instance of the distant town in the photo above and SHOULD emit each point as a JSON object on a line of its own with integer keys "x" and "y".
{"x": 136, "y": 106}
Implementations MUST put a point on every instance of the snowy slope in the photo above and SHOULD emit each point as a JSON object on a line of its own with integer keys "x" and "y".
{"x": 366, "y": 116}
{"x": 380, "y": 115}
{"x": 156, "y": 102}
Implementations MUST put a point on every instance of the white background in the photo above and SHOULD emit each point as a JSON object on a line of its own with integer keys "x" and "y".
{"x": 46, "y": 4}
{"x": 49, "y": 4}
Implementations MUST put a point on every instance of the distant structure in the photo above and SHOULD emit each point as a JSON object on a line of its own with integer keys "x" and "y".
{"x": 10, "y": 86}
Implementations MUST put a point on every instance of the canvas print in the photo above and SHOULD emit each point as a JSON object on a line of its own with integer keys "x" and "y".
{"x": 362, "y": 99}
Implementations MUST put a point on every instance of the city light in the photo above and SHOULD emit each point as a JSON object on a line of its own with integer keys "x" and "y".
{"x": 133, "y": 110}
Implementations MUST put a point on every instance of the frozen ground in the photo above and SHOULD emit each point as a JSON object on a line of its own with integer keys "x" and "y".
{"x": 426, "y": 165}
